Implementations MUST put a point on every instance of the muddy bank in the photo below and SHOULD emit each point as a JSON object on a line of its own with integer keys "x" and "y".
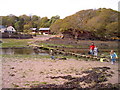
{"x": 93, "y": 78}
{"x": 44, "y": 72}
{"x": 80, "y": 43}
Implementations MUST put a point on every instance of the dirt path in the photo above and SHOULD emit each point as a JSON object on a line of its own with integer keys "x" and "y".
{"x": 41, "y": 38}
{"x": 22, "y": 73}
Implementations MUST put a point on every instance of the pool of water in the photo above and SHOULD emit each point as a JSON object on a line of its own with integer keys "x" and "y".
{"x": 28, "y": 51}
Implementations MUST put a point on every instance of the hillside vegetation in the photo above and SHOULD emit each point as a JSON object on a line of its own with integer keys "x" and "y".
{"x": 89, "y": 24}
{"x": 23, "y": 23}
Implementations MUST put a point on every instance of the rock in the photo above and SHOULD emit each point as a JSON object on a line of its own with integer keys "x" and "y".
{"x": 12, "y": 74}
{"x": 12, "y": 68}
{"x": 62, "y": 58}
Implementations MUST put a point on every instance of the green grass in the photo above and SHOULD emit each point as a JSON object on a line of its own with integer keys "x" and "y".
{"x": 15, "y": 85}
{"x": 29, "y": 57}
{"x": 25, "y": 56}
{"x": 58, "y": 45}
{"x": 15, "y": 43}
{"x": 35, "y": 83}
{"x": 43, "y": 82}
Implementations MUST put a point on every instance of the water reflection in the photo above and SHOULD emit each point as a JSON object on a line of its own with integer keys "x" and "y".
{"x": 28, "y": 51}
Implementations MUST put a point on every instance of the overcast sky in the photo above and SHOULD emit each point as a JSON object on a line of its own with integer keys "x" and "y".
{"x": 51, "y": 8}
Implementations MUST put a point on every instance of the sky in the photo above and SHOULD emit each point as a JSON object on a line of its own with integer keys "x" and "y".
{"x": 51, "y": 8}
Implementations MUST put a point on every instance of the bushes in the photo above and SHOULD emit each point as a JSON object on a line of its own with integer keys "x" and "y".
{"x": 17, "y": 36}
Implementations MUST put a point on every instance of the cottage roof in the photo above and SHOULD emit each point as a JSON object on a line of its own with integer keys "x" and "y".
{"x": 33, "y": 28}
{"x": 44, "y": 28}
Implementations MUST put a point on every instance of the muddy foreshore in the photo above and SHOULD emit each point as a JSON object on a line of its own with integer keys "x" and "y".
{"x": 46, "y": 73}
{"x": 28, "y": 72}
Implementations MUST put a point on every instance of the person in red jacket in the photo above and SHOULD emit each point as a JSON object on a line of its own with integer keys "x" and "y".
{"x": 92, "y": 48}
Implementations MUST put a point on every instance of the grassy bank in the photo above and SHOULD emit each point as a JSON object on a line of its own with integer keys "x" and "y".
{"x": 17, "y": 56}
{"x": 15, "y": 42}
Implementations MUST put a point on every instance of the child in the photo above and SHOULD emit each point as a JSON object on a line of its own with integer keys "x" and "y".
{"x": 113, "y": 56}
{"x": 52, "y": 54}
{"x": 95, "y": 51}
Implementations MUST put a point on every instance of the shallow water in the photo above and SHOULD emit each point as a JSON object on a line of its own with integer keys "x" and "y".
{"x": 28, "y": 51}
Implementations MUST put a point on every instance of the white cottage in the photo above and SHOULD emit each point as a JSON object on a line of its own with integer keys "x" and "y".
{"x": 10, "y": 29}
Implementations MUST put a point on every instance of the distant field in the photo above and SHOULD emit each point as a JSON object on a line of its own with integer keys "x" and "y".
{"x": 22, "y": 42}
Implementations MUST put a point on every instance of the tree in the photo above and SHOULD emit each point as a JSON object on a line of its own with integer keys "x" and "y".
{"x": 28, "y": 26}
{"x": 35, "y": 18}
{"x": 42, "y": 22}
{"x": 54, "y": 18}
{"x": 9, "y": 20}
{"x": 18, "y": 26}
{"x": 26, "y": 19}
{"x": 55, "y": 28}
{"x": 112, "y": 29}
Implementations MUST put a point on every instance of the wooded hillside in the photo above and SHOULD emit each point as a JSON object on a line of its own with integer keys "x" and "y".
{"x": 23, "y": 23}
{"x": 89, "y": 24}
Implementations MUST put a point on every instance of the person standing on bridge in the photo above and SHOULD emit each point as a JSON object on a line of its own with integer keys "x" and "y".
{"x": 95, "y": 51}
{"x": 92, "y": 46}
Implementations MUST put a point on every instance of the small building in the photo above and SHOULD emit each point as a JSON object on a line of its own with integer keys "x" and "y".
{"x": 44, "y": 31}
{"x": 34, "y": 30}
{"x": 10, "y": 29}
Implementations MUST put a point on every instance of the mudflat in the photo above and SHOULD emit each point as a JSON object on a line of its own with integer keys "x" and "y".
{"x": 32, "y": 72}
